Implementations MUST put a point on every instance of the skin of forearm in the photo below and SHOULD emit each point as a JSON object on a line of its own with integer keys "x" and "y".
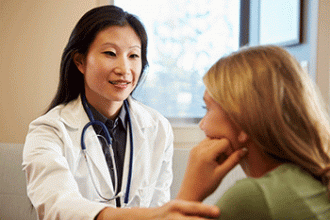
{"x": 123, "y": 213}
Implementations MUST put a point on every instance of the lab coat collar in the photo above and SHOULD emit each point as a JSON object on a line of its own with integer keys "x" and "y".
{"x": 74, "y": 115}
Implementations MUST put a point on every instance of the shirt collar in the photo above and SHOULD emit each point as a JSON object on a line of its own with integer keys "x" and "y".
{"x": 121, "y": 118}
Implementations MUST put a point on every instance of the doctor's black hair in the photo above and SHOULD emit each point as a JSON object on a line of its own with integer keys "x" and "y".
{"x": 71, "y": 82}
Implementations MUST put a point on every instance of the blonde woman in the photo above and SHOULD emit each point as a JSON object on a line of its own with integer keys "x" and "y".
{"x": 259, "y": 99}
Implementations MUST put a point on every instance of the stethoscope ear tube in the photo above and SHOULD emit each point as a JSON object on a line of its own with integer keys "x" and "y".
{"x": 97, "y": 191}
{"x": 91, "y": 123}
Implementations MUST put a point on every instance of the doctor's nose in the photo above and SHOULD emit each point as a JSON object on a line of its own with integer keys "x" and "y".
{"x": 122, "y": 67}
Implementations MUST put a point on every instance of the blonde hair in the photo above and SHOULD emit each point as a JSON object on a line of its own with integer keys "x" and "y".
{"x": 267, "y": 93}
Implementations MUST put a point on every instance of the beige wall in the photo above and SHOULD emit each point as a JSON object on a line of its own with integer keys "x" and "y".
{"x": 33, "y": 35}
{"x": 323, "y": 50}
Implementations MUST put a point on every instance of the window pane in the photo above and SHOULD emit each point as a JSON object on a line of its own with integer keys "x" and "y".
{"x": 185, "y": 38}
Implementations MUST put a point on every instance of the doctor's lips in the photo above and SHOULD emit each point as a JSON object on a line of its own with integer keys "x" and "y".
{"x": 119, "y": 82}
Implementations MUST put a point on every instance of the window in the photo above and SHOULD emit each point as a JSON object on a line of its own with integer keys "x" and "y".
{"x": 186, "y": 37}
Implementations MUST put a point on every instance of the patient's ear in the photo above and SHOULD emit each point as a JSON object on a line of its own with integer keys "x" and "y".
{"x": 242, "y": 137}
{"x": 79, "y": 60}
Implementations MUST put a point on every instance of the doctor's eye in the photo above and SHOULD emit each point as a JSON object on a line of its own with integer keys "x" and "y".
{"x": 110, "y": 53}
{"x": 134, "y": 56}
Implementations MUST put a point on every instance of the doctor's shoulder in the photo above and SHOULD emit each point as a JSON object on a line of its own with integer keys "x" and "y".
{"x": 50, "y": 123}
{"x": 44, "y": 136}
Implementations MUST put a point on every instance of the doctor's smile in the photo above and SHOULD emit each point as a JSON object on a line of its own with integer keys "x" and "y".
{"x": 120, "y": 84}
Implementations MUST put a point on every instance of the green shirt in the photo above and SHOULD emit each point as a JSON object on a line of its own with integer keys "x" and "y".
{"x": 287, "y": 192}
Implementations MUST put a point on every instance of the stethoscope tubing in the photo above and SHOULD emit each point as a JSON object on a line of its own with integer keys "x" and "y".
{"x": 129, "y": 177}
{"x": 109, "y": 140}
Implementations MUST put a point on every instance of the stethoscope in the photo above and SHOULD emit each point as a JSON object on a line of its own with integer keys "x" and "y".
{"x": 109, "y": 141}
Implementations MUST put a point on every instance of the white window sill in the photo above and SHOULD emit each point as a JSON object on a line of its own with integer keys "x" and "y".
{"x": 186, "y": 135}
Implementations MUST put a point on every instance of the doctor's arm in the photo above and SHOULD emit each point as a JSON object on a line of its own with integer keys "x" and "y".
{"x": 209, "y": 162}
{"x": 176, "y": 209}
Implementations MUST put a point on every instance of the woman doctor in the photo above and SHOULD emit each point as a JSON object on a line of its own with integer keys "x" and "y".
{"x": 123, "y": 157}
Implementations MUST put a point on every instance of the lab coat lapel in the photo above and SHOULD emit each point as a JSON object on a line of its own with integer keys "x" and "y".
{"x": 75, "y": 116}
{"x": 140, "y": 120}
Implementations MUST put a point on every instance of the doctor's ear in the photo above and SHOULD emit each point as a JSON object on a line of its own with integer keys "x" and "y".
{"x": 79, "y": 61}
{"x": 242, "y": 137}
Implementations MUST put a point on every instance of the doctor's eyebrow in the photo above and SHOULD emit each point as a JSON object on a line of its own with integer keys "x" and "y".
{"x": 136, "y": 46}
{"x": 115, "y": 45}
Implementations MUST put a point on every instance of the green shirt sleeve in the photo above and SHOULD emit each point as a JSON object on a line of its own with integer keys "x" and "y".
{"x": 244, "y": 200}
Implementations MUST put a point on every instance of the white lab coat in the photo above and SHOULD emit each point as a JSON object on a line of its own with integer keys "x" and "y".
{"x": 58, "y": 182}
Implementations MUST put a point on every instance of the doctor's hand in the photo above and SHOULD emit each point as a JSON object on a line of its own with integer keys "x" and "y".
{"x": 175, "y": 209}
{"x": 209, "y": 162}
{"x": 180, "y": 209}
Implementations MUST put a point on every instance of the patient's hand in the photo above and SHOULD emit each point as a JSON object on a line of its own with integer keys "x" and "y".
{"x": 209, "y": 162}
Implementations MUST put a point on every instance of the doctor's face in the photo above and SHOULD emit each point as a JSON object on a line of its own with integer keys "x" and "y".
{"x": 216, "y": 123}
{"x": 112, "y": 65}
